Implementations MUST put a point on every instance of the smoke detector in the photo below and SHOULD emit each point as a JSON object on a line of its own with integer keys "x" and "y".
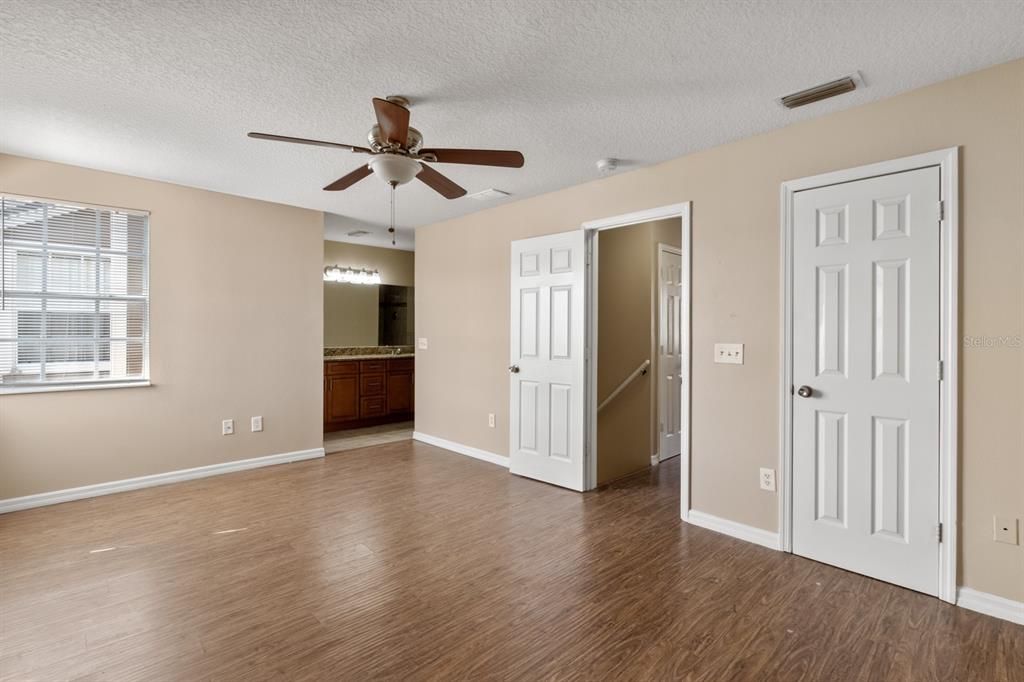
{"x": 606, "y": 166}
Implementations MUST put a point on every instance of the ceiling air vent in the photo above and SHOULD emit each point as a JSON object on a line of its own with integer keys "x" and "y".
{"x": 488, "y": 195}
{"x": 819, "y": 92}
{"x": 358, "y": 233}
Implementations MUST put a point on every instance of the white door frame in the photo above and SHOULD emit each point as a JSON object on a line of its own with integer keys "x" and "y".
{"x": 592, "y": 227}
{"x": 656, "y": 361}
{"x": 947, "y": 160}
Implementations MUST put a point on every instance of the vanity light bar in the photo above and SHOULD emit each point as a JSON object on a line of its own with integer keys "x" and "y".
{"x": 334, "y": 273}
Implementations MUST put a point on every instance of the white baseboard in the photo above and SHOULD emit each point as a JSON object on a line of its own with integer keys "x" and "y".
{"x": 469, "y": 451}
{"x": 758, "y": 536}
{"x": 990, "y": 605}
{"x": 57, "y": 496}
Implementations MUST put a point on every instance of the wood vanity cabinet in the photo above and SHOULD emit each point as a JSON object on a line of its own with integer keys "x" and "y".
{"x": 367, "y": 392}
{"x": 400, "y": 386}
{"x": 341, "y": 392}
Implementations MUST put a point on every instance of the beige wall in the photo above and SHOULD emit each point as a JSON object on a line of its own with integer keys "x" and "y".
{"x": 351, "y": 311}
{"x": 236, "y": 331}
{"x": 462, "y": 279}
{"x": 623, "y": 342}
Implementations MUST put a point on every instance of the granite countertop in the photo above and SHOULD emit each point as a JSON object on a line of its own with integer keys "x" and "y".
{"x": 367, "y": 353}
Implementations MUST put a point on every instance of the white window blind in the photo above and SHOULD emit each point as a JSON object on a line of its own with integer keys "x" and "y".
{"x": 74, "y": 295}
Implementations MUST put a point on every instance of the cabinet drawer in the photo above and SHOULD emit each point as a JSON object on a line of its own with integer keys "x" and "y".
{"x": 372, "y": 407}
{"x": 340, "y": 368}
{"x": 401, "y": 364}
{"x": 371, "y": 384}
{"x": 372, "y": 366}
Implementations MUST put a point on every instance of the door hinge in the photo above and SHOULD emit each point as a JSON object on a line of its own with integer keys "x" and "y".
{"x": 942, "y": 211}
{"x": 938, "y": 532}
{"x": 940, "y": 371}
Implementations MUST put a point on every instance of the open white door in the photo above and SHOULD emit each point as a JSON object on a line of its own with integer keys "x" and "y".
{"x": 547, "y": 365}
{"x": 670, "y": 351}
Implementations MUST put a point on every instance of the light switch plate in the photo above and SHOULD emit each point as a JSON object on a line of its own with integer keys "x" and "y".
{"x": 421, "y": 344}
{"x": 768, "y": 479}
{"x": 227, "y": 427}
{"x": 1005, "y": 530}
{"x": 729, "y": 353}
{"x": 256, "y": 424}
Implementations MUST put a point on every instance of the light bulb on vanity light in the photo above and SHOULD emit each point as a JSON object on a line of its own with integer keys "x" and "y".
{"x": 334, "y": 273}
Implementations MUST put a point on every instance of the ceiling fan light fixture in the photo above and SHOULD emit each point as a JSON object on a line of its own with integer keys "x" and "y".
{"x": 394, "y": 169}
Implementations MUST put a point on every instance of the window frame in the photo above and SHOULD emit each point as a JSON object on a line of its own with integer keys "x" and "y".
{"x": 94, "y": 383}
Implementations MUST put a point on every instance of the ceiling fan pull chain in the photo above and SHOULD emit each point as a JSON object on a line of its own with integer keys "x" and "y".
{"x": 392, "y": 228}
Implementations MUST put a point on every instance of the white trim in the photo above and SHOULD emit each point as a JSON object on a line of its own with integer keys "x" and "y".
{"x": 758, "y": 536}
{"x": 15, "y": 389}
{"x": 591, "y": 227}
{"x": 459, "y": 448}
{"x": 948, "y": 162}
{"x": 57, "y": 496}
{"x": 646, "y": 216}
{"x": 991, "y": 605}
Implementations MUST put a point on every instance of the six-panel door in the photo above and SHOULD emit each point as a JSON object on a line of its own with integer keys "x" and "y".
{"x": 866, "y": 346}
{"x": 546, "y": 359}
{"x": 670, "y": 349}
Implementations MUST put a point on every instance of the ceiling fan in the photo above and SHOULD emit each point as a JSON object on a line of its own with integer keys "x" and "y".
{"x": 397, "y": 154}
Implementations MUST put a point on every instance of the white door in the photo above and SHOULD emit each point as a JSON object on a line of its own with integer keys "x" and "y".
{"x": 547, "y": 366}
{"x": 670, "y": 351}
{"x": 866, "y": 340}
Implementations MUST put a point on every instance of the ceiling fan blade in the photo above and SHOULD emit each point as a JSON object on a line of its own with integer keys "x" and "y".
{"x": 303, "y": 140}
{"x": 439, "y": 183}
{"x": 477, "y": 157}
{"x": 393, "y": 120}
{"x": 347, "y": 181}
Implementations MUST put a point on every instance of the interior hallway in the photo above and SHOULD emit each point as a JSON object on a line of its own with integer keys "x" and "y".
{"x": 407, "y": 561}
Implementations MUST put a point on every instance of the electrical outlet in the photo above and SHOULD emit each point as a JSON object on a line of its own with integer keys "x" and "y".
{"x": 421, "y": 343}
{"x": 227, "y": 427}
{"x": 729, "y": 353}
{"x": 1005, "y": 530}
{"x": 490, "y": 420}
{"x": 768, "y": 479}
{"x": 257, "y": 424}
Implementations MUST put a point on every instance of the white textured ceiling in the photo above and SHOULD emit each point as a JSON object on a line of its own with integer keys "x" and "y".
{"x": 168, "y": 89}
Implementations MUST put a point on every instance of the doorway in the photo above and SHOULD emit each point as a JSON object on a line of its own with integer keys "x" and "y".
{"x": 555, "y": 392}
{"x": 663, "y": 370}
{"x": 869, "y": 371}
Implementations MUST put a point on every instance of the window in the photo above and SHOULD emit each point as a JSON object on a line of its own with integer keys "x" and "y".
{"x": 74, "y": 295}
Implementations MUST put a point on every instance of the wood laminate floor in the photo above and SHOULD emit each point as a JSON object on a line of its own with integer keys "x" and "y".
{"x": 407, "y": 562}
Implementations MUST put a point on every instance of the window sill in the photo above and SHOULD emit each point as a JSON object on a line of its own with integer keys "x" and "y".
{"x": 12, "y": 390}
